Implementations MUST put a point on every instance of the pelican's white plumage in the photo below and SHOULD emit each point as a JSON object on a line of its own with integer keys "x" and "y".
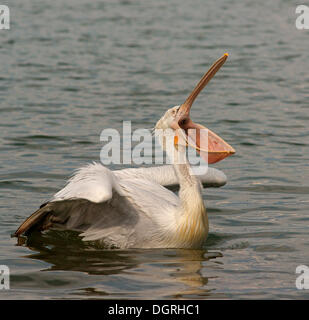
{"x": 95, "y": 182}
{"x": 134, "y": 208}
{"x": 117, "y": 207}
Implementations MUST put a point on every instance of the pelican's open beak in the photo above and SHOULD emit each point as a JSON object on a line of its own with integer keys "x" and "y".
{"x": 210, "y": 146}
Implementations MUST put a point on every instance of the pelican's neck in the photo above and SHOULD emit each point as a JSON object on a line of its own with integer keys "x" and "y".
{"x": 192, "y": 221}
{"x": 190, "y": 192}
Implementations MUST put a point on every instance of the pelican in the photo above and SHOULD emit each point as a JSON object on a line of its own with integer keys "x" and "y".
{"x": 134, "y": 208}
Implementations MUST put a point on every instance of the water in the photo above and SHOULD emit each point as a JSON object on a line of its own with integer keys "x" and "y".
{"x": 70, "y": 69}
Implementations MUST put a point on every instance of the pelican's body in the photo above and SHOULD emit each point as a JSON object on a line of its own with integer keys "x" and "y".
{"x": 133, "y": 208}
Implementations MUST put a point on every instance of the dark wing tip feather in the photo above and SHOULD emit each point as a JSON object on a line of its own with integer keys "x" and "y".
{"x": 33, "y": 221}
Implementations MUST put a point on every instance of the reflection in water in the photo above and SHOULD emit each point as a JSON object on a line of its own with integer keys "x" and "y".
{"x": 178, "y": 270}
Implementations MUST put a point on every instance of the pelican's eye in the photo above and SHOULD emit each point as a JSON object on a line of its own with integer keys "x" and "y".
{"x": 175, "y": 111}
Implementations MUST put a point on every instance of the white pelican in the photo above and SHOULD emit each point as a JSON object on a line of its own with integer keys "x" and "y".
{"x": 132, "y": 208}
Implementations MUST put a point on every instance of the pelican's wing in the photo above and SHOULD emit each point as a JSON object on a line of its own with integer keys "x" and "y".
{"x": 149, "y": 196}
{"x": 166, "y": 176}
{"x": 102, "y": 207}
{"x": 93, "y": 182}
{"x": 151, "y": 207}
{"x": 113, "y": 222}
{"x": 76, "y": 205}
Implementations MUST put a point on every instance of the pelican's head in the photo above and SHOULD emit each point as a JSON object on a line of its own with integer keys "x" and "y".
{"x": 177, "y": 121}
